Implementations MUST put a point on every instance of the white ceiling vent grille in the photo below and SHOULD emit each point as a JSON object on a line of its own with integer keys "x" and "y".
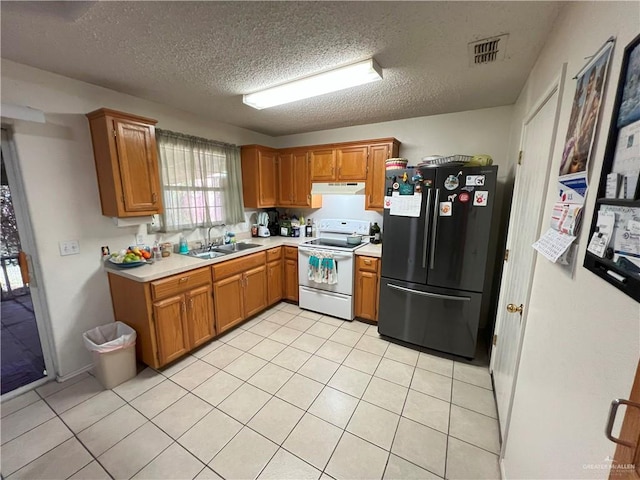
{"x": 488, "y": 50}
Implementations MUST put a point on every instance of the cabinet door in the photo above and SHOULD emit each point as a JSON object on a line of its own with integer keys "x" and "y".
{"x": 352, "y": 163}
{"x": 255, "y": 290}
{"x": 227, "y": 298}
{"x": 138, "y": 165}
{"x": 366, "y": 295}
{"x": 378, "y": 154}
{"x": 286, "y": 179}
{"x": 302, "y": 180}
{"x": 274, "y": 282}
{"x": 267, "y": 178}
{"x": 171, "y": 329}
{"x": 291, "y": 279}
{"x": 323, "y": 165}
{"x": 200, "y": 315}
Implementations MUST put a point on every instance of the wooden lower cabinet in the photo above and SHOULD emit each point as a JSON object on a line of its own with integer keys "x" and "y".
{"x": 172, "y": 335}
{"x": 290, "y": 291}
{"x": 255, "y": 290}
{"x": 275, "y": 285}
{"x": 171, "y": 316}
{"x": 239, "y": 289}
{"x": 367, "y": 288}
{"x": 199, "y": 304}
{"x": 227, "y": 298}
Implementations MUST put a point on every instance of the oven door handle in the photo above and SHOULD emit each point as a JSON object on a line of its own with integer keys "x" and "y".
{"x": 335, "y": 255}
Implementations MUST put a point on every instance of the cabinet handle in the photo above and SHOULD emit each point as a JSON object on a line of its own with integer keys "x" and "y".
{"x": 154, "y": 197}
{"x": 191, "y": 303}
{"x": 184, "y": 279}
{"x": 184, "y": 307}
{"x": 367, "y": 262}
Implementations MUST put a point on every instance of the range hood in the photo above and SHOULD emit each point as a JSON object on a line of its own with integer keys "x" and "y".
{"x": 336, "y": 188}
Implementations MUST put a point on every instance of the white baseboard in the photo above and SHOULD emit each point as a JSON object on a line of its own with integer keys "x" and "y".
{"x": 69, "y": 376}
{"x": 503, "y": 474}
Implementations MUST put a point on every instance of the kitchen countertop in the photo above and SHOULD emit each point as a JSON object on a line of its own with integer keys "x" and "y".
{"x": 176, "y": 263}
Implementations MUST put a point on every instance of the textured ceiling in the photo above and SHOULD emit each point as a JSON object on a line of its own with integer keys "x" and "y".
{"x": 202, "y": 56}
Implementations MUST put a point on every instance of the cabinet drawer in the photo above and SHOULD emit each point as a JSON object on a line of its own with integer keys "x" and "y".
{"x": 368, "y": 264}
{"x": 179, "y": 283}
{"x": 274, "y": 254}
{"x": 291, "y": 252}
{"x": 232, "y": 267}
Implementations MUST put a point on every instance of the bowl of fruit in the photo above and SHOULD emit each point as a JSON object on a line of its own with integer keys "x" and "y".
{"x": 130, "y": 258}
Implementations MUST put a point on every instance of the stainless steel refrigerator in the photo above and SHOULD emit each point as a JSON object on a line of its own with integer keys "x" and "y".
{"x": 435, "y": 277}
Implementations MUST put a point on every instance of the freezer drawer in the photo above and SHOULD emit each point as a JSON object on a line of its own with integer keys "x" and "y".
{"x": 437, "y": 318}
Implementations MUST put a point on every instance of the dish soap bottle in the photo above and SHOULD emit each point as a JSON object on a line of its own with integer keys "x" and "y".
{"x": 184, "y": 248}
{"x": 375, "y": 233}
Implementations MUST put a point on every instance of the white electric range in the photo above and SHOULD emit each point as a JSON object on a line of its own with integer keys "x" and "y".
{"x": 335, "y": 296}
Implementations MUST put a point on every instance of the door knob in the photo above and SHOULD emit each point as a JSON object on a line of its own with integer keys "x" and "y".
{"x": 511, "y": 308}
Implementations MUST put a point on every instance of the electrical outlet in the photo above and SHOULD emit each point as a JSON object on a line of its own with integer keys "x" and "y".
{"x": 69, "y": 247}
{"x": 140, "y": 239}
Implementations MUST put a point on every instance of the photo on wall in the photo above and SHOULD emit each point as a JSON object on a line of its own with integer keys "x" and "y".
{"x": 584, "y": 113}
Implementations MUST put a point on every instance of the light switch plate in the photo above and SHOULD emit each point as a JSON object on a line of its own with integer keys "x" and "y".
{"x": 69, "y": 247}
{"x": 140, "y": 239}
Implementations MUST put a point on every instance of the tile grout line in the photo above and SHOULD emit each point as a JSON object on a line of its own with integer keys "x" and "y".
{"x": 324, "y": 385}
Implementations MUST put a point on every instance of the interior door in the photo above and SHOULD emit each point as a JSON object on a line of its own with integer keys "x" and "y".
{"x": 626, "y": 459}
{"x": 527, "y": 211}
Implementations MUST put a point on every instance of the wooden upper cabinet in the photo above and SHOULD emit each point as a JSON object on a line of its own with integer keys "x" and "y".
{"x": 126, "y": 158}
{"x": 259, "y": 176}
{"x": 294, "y": 180}
{"x": 286, "y": 179}
{"x": 323, "y": 165}
{"x": 352, "y": 163}
{"x": 374, "y": 190}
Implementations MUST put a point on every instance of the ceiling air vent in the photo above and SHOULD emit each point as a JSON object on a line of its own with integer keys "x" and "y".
{"x": 488, "y": 50}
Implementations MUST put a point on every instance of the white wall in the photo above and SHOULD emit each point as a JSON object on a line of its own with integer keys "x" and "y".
{"x": 472, "y": 132}
{"x": 582, "y": 340}
{"x": 56, "y": 160}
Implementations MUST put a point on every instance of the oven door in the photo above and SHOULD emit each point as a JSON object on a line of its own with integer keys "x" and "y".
{"x": 344, "y": 271}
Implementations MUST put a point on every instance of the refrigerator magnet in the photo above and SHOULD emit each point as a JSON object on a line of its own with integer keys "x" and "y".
{"x": 463, "y": 197}
{"x": 477, "y": 180}
{"x": 395, "y": 185}
{"x": 451, "y": 183}
{"x": 427, "y": 182}
{"x": 480, "y": 198}
{"x": 452, "y": 198}
{"x": 445, "y": 209}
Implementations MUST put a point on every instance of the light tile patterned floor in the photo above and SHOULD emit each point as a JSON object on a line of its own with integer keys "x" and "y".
{"x": 288, "y": 395}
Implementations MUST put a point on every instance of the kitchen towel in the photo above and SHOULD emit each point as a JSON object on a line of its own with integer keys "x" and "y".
{"x": 322, "y": 268}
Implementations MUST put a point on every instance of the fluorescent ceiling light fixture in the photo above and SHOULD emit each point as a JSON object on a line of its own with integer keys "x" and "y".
{"x": 338, "y": 79}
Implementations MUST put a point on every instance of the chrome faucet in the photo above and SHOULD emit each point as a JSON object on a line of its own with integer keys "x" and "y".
{"x": 209, "y": 243}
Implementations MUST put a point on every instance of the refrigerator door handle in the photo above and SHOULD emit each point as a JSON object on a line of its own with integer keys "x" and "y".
{"x": 426, "y": 230}
{"x": 427, "y": 294}
{"x": 434, "y": 229}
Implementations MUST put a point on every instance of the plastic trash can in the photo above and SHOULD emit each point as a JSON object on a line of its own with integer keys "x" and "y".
{"x": 113, "y": 348}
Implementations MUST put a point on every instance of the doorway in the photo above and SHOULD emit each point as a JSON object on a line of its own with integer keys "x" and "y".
{"x": 527, "y": 213}
{"x": 24, "y": 354}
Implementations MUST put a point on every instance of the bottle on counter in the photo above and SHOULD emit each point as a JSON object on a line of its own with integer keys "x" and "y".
{"x": 375, "y": 233}
{"x": 184, "y": 247}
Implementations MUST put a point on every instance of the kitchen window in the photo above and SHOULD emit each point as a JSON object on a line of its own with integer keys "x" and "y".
{"x": 201, "y": 182}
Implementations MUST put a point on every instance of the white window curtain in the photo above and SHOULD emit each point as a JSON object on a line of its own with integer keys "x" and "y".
{"x": 201, "y": 182}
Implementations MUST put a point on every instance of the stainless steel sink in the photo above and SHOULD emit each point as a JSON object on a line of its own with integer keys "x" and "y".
{"x": 236, "y": 247}
{"x": 208, "y": 254}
